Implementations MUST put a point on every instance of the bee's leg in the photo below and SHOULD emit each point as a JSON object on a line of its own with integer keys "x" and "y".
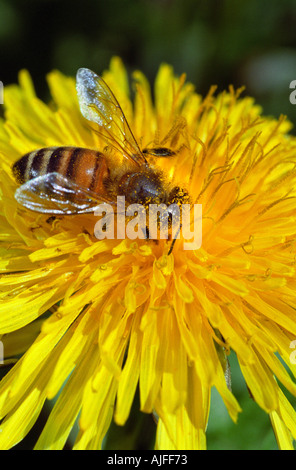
{"x": 147, "y": 234}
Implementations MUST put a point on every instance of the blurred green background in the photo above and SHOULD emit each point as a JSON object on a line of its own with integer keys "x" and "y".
{"x": 222, "y": 42}
{"x": 251, "y": 43}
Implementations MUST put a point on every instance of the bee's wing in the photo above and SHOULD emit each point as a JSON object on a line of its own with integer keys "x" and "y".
{"x": 99, "y": 105}
{"x": 54, "y": 194}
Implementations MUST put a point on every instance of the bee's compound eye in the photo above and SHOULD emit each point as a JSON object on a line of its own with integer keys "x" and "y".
{"x": 159, "y": 152}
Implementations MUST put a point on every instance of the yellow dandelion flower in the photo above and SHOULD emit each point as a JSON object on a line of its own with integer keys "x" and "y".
{"x": 91, "y": 320}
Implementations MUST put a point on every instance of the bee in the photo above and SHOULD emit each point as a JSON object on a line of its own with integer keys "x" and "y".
{"x": 67, "y": 180}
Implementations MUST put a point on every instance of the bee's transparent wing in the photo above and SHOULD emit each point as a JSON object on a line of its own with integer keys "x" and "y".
{"x": 55, "y": 194}
{"x": 99, "y": 105}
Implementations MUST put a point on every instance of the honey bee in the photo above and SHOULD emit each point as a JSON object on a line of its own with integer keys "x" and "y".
{"x": 73, "y": 180}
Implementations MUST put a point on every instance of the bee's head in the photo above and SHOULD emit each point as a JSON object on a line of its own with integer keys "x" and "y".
{"x": 179, "y": 196}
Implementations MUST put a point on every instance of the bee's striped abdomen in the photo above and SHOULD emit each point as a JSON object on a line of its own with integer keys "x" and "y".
{"x": 87, "y": 168}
